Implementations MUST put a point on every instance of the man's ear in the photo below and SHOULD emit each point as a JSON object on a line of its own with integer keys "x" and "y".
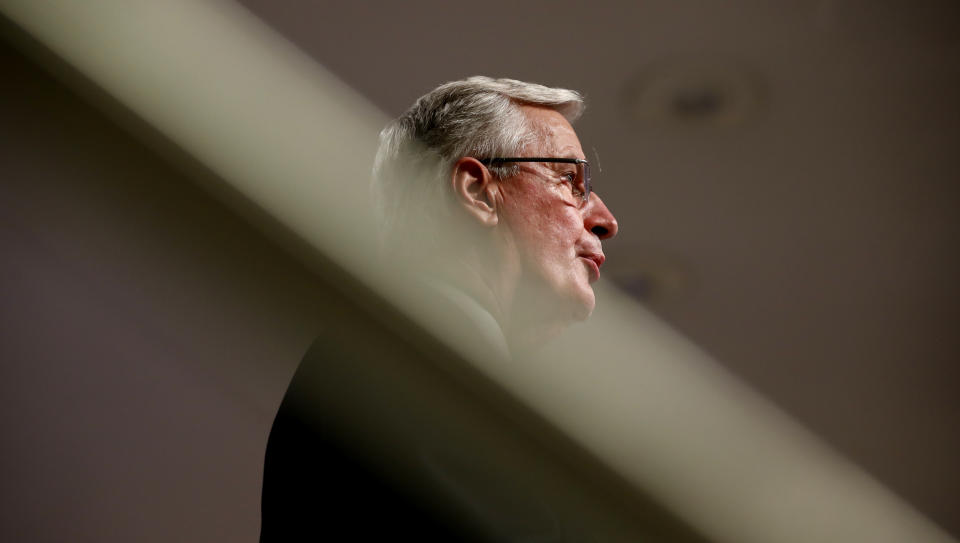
{"x": 474, "y": 189}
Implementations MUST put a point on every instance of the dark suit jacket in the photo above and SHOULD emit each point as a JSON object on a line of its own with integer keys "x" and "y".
{"x": 367, "y": 444}
{"x": 386, "y": 434}
{"x": 329, "y": 473}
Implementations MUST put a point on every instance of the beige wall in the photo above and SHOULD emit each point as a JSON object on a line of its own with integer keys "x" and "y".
{"x": 146, "y": 334}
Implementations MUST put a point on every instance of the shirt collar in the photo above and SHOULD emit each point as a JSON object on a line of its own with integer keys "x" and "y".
{"x": 482, "y": 320}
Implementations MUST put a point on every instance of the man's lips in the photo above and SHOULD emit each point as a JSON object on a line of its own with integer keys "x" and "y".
{"x": 593, "y": 262}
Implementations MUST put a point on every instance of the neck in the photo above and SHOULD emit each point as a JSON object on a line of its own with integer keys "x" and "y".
{"x": 535, "y": 318}
{"x": 526, "y": 320}
{"x": 468, "y": 276}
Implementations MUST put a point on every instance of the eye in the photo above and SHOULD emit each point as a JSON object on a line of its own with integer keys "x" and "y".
{"x": 570, "y": 179}
{"x": 568, "y": 176}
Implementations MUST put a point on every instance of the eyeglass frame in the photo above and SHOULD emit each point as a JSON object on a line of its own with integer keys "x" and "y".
{"x": 554, "y": 160}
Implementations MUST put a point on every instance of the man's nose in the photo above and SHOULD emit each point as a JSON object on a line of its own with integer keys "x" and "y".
{"x": 598, "y": 219}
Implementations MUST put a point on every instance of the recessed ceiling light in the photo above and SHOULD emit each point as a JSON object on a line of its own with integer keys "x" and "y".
{"x": 651, "y": 275}
{"x": 693, "y": 94}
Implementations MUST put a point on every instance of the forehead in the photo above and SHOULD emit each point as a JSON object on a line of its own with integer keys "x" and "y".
{"x": 557, "y": 137}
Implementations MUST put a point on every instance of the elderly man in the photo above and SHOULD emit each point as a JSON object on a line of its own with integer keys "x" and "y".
{"x": 484, "y": 186}
{"x": 484, "y": 183}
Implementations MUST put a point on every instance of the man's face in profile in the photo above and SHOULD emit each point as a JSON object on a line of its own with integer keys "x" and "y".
{"x": 553, "y": 238}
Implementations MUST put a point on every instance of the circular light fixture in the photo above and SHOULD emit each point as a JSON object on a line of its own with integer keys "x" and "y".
{"x": 651, "y": 275}
{"x": 694, "y": 93}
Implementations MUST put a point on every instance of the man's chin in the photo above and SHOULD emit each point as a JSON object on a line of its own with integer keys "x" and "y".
{"x": 585, "y": 306}
{"x": 577, "y": 303}
{"x": 559, "y": 304}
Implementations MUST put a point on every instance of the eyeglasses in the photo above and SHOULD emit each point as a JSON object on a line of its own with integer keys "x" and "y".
{"x": 579, "y": 180}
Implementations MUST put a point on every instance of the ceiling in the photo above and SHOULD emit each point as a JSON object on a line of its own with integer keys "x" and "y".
{"x": 784, "y": 175}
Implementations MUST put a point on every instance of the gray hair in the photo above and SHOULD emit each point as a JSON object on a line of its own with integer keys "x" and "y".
{"x": 479, "y": 117}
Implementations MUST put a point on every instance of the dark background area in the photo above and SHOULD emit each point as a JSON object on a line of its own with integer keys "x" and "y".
{"x": 148, "y": 333}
